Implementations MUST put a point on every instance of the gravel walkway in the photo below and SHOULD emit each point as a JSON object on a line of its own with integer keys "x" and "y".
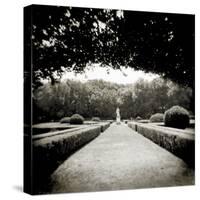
{"x": 120, "y": 159}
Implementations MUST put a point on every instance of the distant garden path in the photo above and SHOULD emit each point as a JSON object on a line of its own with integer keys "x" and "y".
{"x": 120, "y": 159}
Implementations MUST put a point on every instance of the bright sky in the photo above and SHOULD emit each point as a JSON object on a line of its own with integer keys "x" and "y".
{"x": 125, "y": 76}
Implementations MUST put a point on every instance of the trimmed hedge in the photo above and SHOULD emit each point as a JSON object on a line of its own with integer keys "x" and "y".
{"x": 96, "y": 119}
{"x": 176, "y": 141}
{"x": 76, "y": 119}
{"x": 104, "y": 126}
{"x": 177, "y": 117}
{"x": 65, "y": 120}
{"x": 138, "y": 118}
{"x": 50, "y": 152}
{"x": 132, "y": 125}
{"x": 158, "y": 117}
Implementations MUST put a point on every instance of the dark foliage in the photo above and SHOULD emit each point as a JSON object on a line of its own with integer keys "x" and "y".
{"x": 176, "y": 117}
{"x": 66, "y": 38}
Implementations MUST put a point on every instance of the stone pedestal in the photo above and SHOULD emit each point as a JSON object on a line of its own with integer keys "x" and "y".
{"x": 118, "y": 120}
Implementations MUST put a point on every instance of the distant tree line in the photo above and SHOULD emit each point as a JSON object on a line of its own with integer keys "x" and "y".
{"x": 98, "y": 98}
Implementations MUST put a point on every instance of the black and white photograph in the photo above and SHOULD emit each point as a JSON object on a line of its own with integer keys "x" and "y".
{"x": 109, "y": 99}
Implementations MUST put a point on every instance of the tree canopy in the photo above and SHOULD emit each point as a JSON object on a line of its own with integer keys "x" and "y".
{"x": 66, "y": 38}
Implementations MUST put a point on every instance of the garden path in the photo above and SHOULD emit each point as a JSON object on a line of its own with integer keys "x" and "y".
{"x": 120, "y": 159}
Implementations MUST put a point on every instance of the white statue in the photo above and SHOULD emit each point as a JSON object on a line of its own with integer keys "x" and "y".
{"x": 118, "y": 116}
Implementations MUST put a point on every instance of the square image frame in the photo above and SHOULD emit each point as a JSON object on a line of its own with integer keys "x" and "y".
{"x": 109, "y": 99}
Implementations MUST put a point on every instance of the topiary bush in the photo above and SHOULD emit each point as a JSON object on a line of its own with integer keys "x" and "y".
{"x": 65, "y": 120}
{"x": 96, "y": 119}
{"x": 76, "y": 119}
{"x": 176, "y": 117}
{"x": 158, "y": 117}
{"x": 138, "y": 118}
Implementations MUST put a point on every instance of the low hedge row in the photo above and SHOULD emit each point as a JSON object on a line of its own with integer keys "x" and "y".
{"x": 178, "y": 143}
{"x": 50, "y": 152}
{"x": 132, "y": 125}
{"x": 104, "y": 126}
